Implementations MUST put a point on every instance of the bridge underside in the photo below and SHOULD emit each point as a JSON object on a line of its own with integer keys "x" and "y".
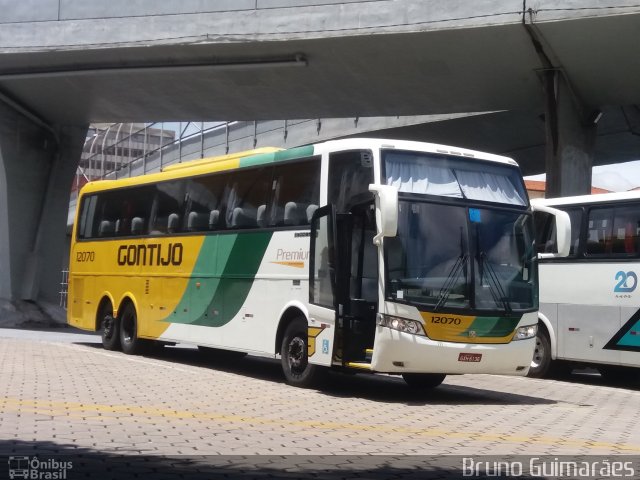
{"x": 521, "y": 135}
{"x": 548, "y": 73}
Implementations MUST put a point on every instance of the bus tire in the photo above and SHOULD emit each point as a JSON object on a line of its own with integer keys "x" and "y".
{"x": 423, "y": 381}
{"x": 109, "y": 328}
{"x": 294, "y": 356}
{"x": 541, "y": 361}
{"x": 131, "y": 344}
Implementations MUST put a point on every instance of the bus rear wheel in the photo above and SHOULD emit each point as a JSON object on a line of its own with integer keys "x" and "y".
{"x": 294, "y": 356}
{"x": 109, "y": 328}
{"x": 423, "y": 381}
{"x": 131, "y": 344}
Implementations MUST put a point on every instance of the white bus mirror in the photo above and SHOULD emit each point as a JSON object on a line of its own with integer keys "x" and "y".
{"x": 562, "y": 228}
{"x": 386, "y": 211}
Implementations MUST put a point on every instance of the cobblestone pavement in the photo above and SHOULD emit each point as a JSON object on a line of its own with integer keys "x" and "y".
{"x": 61, "y": 393}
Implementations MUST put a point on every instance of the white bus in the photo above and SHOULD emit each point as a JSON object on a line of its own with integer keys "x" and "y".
{"x": 373, "y": 255}
{"x": 589, "y": 300}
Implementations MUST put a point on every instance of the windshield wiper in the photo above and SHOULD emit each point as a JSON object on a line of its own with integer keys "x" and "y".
{"x": 449, "y": 283}
{"x": 483, "y": 261}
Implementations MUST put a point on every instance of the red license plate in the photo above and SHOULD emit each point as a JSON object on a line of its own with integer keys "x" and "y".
{"x": 469, "y": 357}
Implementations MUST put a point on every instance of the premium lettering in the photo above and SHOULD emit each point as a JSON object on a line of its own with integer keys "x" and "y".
{"x": 154, "y": 254}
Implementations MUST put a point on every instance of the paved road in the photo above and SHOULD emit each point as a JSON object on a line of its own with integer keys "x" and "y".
{"x": 61, "y": 393}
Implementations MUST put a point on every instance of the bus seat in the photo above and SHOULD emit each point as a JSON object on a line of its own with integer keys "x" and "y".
{"x": 291, "y": 214}
{"x": 106, "y": 228}
{"x": 173, "y": 223}
{"x": 137, "y": 226}
{"x": 311, "y": 209}
{"x": 214, "y": 218}
{"x": 240, "y": 219}
{"x": 197, "y": 222}
{"x": 261, "y": 216}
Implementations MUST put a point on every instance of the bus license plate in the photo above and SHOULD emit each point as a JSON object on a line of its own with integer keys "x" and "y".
{"x": 469, "y": 357}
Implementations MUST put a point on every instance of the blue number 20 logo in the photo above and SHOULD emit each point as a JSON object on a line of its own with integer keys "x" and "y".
{"x": 624, "y": 279}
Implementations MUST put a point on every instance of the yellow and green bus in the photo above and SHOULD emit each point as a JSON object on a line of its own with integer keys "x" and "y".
{"x": 364, "y": 254}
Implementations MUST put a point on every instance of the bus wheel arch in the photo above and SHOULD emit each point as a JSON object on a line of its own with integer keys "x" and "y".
{"x": 289, "y": 314}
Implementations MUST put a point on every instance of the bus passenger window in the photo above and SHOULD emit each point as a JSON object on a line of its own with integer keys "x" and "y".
{"x": 203, "y": 202}
{"x": 295, "y": 192}
{"x": 625, "y": 230}
{"x": 168, "y": 202}
{"x": 247, "y": 190}
{"x": 600, "y": 231}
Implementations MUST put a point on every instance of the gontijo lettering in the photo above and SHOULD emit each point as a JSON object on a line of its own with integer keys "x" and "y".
{"x": 150, "y": 254}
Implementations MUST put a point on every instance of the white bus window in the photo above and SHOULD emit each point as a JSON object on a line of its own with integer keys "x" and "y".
{"x": 546, "y": 240}
{"x": 613, "y": 231}
{"x": 626, "y": 226}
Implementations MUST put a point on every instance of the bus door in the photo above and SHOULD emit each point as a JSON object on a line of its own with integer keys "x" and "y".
{"x": 324, "y": 307}
{"x": 343, "y": 281}
{"x": 359, "y": 255}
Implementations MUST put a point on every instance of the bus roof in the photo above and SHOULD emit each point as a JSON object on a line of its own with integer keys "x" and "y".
{"x": 584, "y": 199}
{"x": 267, "y": 155}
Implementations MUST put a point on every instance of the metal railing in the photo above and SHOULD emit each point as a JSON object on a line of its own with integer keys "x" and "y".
{"x": 64, "y": 288}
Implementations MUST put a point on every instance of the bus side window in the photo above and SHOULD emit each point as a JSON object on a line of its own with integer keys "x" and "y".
{"x": 167, "y": 208}
{"x": 625, "y": 230}
{"x": 600, "y": 231}
{"x": 204, "y": 196}
{"x": 295, "y": 192}
{"x": 249, "y": 189}
{"x": 350, "y": 174}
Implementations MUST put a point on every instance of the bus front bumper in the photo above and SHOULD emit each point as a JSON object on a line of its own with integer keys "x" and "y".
{"x": 398, "y": 352}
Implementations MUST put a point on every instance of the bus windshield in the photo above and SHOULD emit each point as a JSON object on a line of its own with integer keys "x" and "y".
{"x": 451, "y": 255}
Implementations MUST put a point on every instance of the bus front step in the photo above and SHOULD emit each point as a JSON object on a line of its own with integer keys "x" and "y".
{"x": 368, "y": 353}
{"x": 359, "y": 365}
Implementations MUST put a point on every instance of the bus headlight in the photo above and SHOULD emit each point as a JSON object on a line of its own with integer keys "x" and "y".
{"x": 528, "y": 331}
{"x": 401, "y": 324}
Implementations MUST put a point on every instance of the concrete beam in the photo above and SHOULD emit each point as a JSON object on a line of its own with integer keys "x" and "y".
{"x": 37, "y": 165}
{"x": 570, "y": 138}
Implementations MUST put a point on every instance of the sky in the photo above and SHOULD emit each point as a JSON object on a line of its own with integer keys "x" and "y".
{"x": 618, "y": 177}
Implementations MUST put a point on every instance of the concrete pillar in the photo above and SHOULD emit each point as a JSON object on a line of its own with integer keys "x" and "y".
{"x": 37, "y": 166}
{"x": 570, "y": 139}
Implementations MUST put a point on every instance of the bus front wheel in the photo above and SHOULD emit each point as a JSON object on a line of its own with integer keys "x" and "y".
{"x": 294, "y": 356}
{"x": 423, "y": 381}
{"x": 131, "y": 344}
{"x": 541, "y": 360}
{"x": 109, "y": 329}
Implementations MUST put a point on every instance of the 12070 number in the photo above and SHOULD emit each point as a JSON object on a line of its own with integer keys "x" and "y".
{"x": 446, "y": 320}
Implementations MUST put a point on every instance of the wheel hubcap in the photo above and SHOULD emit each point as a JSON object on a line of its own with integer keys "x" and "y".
{"x": 538, "y": 354}
{"x": 107, "y": 326}
{"x": 127, "y": 329}
{"x": 296, "y": 353}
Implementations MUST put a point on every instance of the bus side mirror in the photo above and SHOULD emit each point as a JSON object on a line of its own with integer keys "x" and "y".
{"x": 562, "y": 230}
{"x": 386, "y": 211}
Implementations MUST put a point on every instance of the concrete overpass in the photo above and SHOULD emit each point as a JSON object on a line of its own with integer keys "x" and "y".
{"x": 64, "y": 63}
